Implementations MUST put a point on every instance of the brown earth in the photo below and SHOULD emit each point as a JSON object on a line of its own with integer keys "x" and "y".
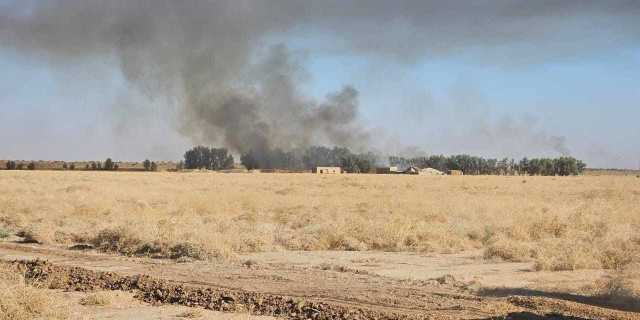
{"x": 343, "y": 285}
{"x": 124, "y": 306}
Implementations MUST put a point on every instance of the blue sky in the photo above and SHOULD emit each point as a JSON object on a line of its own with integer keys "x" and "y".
{"x": 496, "y": 100}
{"x": 594, "y": 102}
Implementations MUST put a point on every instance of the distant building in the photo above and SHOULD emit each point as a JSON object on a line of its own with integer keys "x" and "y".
{"x": 387, "y": 170}
{"x": 431, "y": 172}
{"x": 422, "y": 172}
{"x": 456, "y": 173}
{"x": 412, "y": 170}
{"x": 327, "y": 170}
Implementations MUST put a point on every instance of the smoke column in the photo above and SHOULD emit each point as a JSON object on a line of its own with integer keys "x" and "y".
{"x": 194, "y": 54}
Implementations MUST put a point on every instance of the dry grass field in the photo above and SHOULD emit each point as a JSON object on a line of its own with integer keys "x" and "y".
{"x": 560, "y": 223}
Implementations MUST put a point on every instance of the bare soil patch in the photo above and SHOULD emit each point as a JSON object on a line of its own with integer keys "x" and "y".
{"x": 289, "y": 290}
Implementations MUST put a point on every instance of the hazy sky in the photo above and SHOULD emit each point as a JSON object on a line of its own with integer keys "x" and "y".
{"x": 137, "y": 79}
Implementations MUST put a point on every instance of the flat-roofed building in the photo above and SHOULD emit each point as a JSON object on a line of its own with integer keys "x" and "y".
{"x": 327, "y": 170}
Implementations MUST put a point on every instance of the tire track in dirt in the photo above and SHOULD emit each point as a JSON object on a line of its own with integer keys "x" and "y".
{"x": 306, "y": 294}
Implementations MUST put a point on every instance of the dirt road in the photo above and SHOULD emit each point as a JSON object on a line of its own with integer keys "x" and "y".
{"x": 264, "y": 285}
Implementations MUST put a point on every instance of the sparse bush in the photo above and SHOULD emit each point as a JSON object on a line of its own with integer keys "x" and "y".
{"x": 618, "y": 254}
{"x": 154, "y": 166}
{"x": 187, "y": 249}
{"x": 29, "y": 236}
{"x": 118, "y": 240}
{"x": 622, "y": 288}
{"x": 65, "y": 166}
{"x": 508, "y": 250}
{"x": 4, "y": 233}
{"x": 152, "y": 249}
{"x": 566, "y": 254}
{"x": 124, "y": 241}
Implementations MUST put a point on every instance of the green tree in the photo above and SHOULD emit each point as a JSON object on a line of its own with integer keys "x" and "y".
{"x": 108, "y": 164}
{"x": 11, "y": 165}
{"x": 581, "y": 166}
{"x": 147, "y": 165}
{"x": 219, "y": 159}
{"x": 31, "y": 166}
{"x": 248, "y": 160}
{"x": 197, "y": 158}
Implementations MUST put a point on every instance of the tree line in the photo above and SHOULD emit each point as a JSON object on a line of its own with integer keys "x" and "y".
{"x": 13, "y": 165}
{"x": 201, "y": 157}
{"x": 309, "y": 158}
{"x": 211, "y": 158}
{"x": 107, "y": 165}
{"x": 472, "y": 165}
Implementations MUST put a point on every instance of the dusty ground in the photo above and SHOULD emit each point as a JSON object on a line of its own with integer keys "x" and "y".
{"x": 124, "y": 306}
{"x": 323, "y": 284}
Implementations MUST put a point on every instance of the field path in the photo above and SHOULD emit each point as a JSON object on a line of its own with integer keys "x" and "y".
{"x": 285, "y": 291}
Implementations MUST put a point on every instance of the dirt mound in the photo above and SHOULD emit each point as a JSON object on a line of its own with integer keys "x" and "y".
{"x": 155, "y": 290}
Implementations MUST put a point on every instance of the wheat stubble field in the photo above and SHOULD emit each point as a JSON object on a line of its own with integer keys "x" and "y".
{"x": 555, "y": 224}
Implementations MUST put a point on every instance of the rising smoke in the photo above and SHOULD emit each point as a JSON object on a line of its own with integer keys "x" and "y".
{"x": 195, "y": 53}
{"x": 201, "y": 57}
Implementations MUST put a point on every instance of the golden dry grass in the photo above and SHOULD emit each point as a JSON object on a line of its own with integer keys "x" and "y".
{"x": 18, "y": 301}
{"x": 561, "y": 223}
{"x": 103, "y": 298}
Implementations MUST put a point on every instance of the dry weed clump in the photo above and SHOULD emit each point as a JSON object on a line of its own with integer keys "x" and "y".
{"x": 123, "y": 241}
{"x": 100, "y": 299}
{"x": 118, "y": 240}
{"x": 564, "y": 254}
{"x": 557, "y": 222}
{"x": 191, "y": 314}
{"x": 19, "y": 301}
{"x": 622, "y": 288}
{"x": 506, "y": 249}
